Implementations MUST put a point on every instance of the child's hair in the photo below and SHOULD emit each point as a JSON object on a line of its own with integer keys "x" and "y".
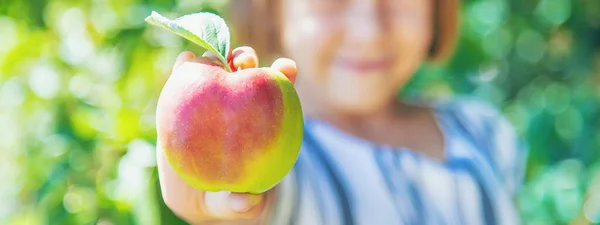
{"x": 256, "y": 23}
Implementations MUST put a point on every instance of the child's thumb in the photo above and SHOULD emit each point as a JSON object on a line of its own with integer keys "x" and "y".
{"x": 227, "y": 205}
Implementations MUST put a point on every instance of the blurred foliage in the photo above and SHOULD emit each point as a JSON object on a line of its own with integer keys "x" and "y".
{"x": 79, "y": 82}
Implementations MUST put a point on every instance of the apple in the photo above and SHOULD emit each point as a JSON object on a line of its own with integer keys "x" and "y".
{"x": 228, "y": 129}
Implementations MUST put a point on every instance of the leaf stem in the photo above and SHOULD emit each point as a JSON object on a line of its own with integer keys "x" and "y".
{"x": 224, "y": 61}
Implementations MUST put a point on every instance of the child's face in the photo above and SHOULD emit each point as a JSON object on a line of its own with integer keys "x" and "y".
{"x": 356, "y": 54}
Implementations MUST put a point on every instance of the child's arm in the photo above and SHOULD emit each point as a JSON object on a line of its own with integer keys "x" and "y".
{"x": 200, "y": 207}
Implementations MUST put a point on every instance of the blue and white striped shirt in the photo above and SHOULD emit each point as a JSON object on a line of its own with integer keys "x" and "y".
{"x": 339, "y": 179}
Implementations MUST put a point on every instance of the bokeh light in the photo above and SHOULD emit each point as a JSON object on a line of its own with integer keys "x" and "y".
{"x": 79, "y": 81}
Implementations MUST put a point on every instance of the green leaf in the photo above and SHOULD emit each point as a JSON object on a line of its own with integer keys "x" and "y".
{"x": 205, "y": 29}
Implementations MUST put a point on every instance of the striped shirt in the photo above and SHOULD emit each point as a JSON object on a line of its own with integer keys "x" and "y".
{"x": 340, "y": 179}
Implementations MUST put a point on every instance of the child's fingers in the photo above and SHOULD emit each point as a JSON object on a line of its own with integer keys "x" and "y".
{"x": 244, "y": 50}
{"x": 183, "y": 57}
{"x": 287, "y": 67}
{"x": 211, "y": 55}
{"x": 245, "y": 61}
{"x": 243, "y": 58}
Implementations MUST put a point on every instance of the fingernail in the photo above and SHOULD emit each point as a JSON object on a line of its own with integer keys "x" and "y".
{"x": 239, "y": 203}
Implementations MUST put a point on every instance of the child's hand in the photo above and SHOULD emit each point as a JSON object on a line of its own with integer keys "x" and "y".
{"x": 197, "y": 206}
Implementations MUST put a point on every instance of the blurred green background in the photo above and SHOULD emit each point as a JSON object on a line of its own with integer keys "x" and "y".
{"x": 79, "y": 82}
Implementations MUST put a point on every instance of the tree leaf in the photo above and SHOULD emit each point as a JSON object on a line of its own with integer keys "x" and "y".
{"x": 205, "y": 29}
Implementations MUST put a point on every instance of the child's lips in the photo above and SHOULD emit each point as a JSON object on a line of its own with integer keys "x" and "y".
{"x": 365, "y": 66}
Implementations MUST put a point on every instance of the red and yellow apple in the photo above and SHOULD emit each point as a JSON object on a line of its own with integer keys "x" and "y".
{"x": 237, "y": 131}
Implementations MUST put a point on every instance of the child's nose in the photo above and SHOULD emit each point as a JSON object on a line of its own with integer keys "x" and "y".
{"x": 364, "y": 21}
